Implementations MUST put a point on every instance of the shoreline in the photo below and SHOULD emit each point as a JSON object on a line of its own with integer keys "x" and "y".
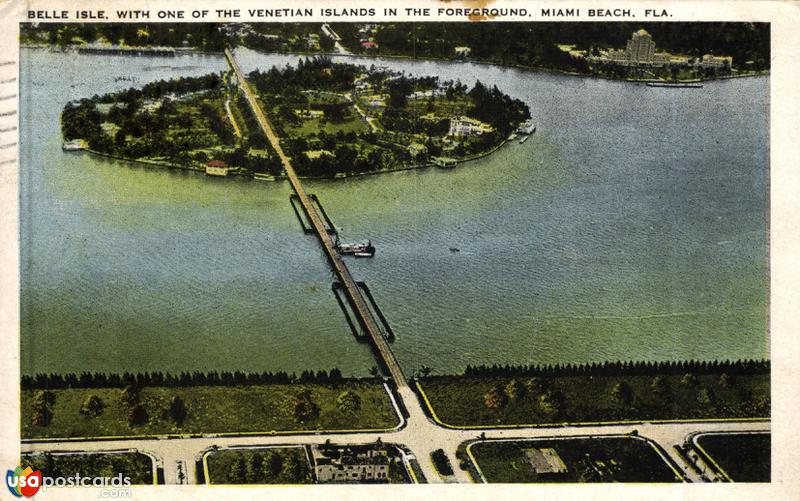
{"x": 520, "y": 67}
{"x": 271, "y": 178}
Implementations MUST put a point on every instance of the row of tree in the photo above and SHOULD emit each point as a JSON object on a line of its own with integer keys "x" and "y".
{"x": 640, "y": 368}
{"x": 204, "y": 36}
{"x": 535, "y": 44}
{"x": 196, "y": 378}
{"x": 318, "y": 73}
{"x": 274, "y": 466}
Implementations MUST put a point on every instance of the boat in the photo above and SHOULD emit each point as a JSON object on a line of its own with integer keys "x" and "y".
{"x": 358, "y": 249}
{"x": 74, "y": 145}
{"x": 524, "y": 138}
{"x": 455, "y": 249}
{"x": 513, "y": 136}
{"x": 675, "y": 85}
{"x": 527, "y": 127}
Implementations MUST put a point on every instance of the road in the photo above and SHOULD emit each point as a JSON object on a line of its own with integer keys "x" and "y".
{"x": 420, "y": 435}
{"x": 337, "y": 45}
{"x": 351, "y": 289}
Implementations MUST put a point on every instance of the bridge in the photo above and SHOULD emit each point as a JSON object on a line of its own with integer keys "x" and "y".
{"x": 353, "y": 293}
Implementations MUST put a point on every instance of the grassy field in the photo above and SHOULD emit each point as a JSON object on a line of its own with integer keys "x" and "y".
{"x": 314, "y": 126}
{"x": 743, "y": 457}
{"x": 278, "y": 465}
{"x": 212, "y": 409}
{"x": 134, "y": 465}
{"x": 617, "y": 459}
{"x": 461, "y": 401}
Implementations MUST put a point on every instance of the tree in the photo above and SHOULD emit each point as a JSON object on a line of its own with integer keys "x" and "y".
{"x": 622, "y": 393}
{"x": 706, "y": 397}
{"x": 689, "y": 380}
{"x": 273, "y": 463}
{"x": 291, "y": 469}
{"x": 726, "y": 381}
{"x": 495, "y": 398}
{"x": 137, "y": 415}
{"x": 515, "y": 390}
{"x": 177, "y": 410}
{"x": 348, "y": 402}
{"x": 238, "y": 473}
{"x": 92, "y": 406}
{"x": 659, "y": 386}
{"x": 305, "y": 409}
{"x": 41, "y": 410}
{"x": 254, "y": 468}
{"x": 129, "y": 396}
{"x": 536, "y": 385}
{"x": 551, "y": 402}
{"x": 399, "y": 89}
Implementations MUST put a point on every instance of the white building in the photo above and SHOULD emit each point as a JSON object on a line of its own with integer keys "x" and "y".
{"x": 217, "y": 168}
{"x": 351, "y": 466}
{"x": 465, "y": 126}
{"x": 640, "y": 48}
{"x": 462, "y": 52}
{"x": 709, "y": 61}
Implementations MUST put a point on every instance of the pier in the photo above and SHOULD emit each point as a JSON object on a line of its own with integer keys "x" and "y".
{"x": 353, "y": 292}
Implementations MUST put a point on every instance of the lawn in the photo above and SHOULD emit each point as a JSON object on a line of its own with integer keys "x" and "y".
{"x": 612, "y": 459}
{"x": 743, "y": 457}
{"x": 274, "y": 465}
{"x": 138, "y": 467}
{"x": 461, "y": 401}
{"x": 212, "y": 409}
{"x": 442, "y": 107}
{"x": 314, "y": 126}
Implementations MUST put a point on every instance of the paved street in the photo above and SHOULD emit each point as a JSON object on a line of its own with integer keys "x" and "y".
{"x": 420, "y": 435}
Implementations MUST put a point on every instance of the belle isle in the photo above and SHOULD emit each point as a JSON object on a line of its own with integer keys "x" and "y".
{"x": 333, "y": 119}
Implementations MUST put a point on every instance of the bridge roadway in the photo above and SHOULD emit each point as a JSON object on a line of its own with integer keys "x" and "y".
{"x": 361, "y": 310}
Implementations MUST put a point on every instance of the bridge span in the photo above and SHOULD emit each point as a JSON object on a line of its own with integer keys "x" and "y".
{"x": 360, "y": 308}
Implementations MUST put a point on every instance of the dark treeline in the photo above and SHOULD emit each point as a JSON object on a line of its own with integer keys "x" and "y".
{"x": 160, "y": 88}
{"x": 204, "y": 36}
{"x": 739, "y": 367}
{"x": 196, "y": 378}
{"x": 534, "y": 44}
{"x": 318, "y": 73}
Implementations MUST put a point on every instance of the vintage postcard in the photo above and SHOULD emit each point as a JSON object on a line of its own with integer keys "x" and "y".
{"x": 364, "y": 244}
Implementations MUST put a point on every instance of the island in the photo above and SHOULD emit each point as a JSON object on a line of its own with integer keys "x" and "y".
{"x": 333, "y": 119}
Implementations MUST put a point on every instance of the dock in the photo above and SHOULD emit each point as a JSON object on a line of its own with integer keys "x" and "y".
{"x": 352, "y": 291}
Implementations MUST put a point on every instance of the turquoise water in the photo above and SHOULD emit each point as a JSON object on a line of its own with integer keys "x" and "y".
{"x": 632, "y": 225}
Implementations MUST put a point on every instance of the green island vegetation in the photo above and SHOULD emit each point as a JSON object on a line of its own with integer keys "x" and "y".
{"x": 590, "y": 459}
{"x": 503, "y": 395}
{"x": 341, "y": 118}
{"x": 96, "y": 404}
{"x": 332, "y": 119}
{"x": 540, "y": 44}
{"x": 137, "y": 466}
{"x": 200, "y": 36}
{"x": 744, "y": 457}
{"x": 274, "y": 465}
{"x": 181, "y": 122}
{"x": 210, "y": 37}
